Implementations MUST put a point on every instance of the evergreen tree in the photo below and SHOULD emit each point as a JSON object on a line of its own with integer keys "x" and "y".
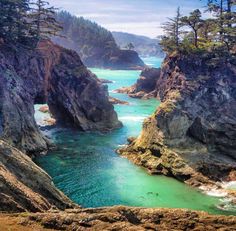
{"x": 26, "y": 21}
{"x": 195, "y": 22}
{"x": 130, "y": 46}
{"x": 14, "y": 25}
{"x": 86, "y": 37}
{"x": 44, "y": 19}
{"x": 171, "y": 40}
{"x": 208, "y": 31}
{"x": 224, "y": 11}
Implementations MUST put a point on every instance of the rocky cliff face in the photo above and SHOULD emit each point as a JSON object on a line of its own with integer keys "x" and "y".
{"x": 50, "y": 74}
{"x": 145, "y": 86}
{"x": 58, "y": 77}
{"x": 192, "y": 134}
{"x": 24, "y": 186}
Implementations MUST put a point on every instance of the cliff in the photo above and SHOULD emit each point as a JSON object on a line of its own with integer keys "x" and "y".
{"x": 77, "y": 98}
{"x": 145, "y": 87}
{"x": 24, "y": 186}
{"x": 56, "y": 76}
{"x": 191, "y": 136}
{"x": 94, "y": 44}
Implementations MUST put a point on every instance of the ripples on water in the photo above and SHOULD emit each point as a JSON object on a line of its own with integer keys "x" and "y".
{"x": 87, "y": 169}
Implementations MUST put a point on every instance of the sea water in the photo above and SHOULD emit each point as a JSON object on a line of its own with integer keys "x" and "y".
{"x": 87, "y": 169}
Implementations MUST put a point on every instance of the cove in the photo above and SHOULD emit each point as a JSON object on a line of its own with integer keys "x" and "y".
{"x": 87, "y": 169}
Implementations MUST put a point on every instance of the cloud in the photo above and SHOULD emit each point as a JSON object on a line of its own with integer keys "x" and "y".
{"x": 142, "y": 17}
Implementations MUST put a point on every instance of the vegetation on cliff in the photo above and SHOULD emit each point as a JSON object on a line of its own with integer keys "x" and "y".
{"x": 193, "y": 33}
{"x": 25, "y": 22}
{"x": 33, "y": 70}
{"x": 191, "y": 136}
{"x": 95, "y": 45}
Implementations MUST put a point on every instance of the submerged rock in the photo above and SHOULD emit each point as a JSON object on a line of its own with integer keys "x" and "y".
{"x": 192, "y": 135}
{"x": 145, "y": 88}
{"x": 56, "y": 76}
{"x": 24, "y": 186}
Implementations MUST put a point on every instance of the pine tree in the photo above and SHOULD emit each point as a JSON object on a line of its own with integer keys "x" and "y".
{"x": 225, "y": 14}
{"x": 195, "y": 22}
{"x": 44, "y": 19}
{"x": 130, "y": 46}
{"x": 14, "y": 24}
{"x": 172, "y": 31}
{"x": 208, "y": 30}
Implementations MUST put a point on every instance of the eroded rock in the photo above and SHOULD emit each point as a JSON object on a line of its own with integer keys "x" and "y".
{"x": 56, "y": 76}
{"x": 192, "y": 134}
{"x": 24, "y": 186}
{"x": 145, "y": 88}
{"x": 117, "y": 101}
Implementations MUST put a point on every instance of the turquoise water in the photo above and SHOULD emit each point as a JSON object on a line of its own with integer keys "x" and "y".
{"x": 87, "y": 169}
{"x": 152, "y": 61}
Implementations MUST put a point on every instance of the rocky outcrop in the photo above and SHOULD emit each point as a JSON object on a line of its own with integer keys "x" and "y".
{"x": 56, "y": 76}
{"x": 105, "y": 81}
{"x": 145, "y": 87}
{"x": 24, "y": 186}
{"x": 192, "y": 134}
{"x": 117, "y": 101}
{"x": 123, "y": 60}
{"x": 75, "y": 97}
{"x": 103, "y": 57}
{"x": 95, "y": 44}
{"x": 118, "y": 218}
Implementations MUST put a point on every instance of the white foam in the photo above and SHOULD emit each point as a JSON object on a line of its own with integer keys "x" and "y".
{"x": 227, "y": 205}
{"x": 150, "y": 64}
{"x": 229, "y": 185}
{"x": 122, "y": 145}
{"x": 217, "y": 193}
{"x": 132, "y": 118}
{"x": 112, "y": 91}
{"x": 213, "y": 191}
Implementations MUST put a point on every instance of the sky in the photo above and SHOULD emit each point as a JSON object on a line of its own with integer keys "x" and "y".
{"x": 142, "y": 17}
